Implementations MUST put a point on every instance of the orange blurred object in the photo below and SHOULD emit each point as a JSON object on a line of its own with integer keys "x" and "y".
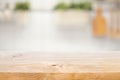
{"x": 115, "y": 32}
{"x": 99, "y": 24}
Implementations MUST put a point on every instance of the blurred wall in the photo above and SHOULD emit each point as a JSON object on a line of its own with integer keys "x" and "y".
{"x": 41, "y": 33}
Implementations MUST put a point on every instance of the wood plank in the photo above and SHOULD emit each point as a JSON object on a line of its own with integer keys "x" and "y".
{"x": 59, "y": 76}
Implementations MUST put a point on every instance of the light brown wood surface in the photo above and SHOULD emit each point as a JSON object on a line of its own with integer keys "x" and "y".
{"x": 92, "y": 66}
{"x": 59, "y": 76}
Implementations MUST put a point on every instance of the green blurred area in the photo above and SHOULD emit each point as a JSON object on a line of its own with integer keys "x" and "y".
{"x": 22, "y": 6}
{"x": 78, "y": 6}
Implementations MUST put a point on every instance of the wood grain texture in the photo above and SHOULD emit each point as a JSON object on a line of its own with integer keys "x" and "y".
{"x": 59, "y": 76}
{"x": 101, "y": 66}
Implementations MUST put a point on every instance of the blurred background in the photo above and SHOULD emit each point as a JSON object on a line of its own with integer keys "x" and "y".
{"x": 54, "y": 26}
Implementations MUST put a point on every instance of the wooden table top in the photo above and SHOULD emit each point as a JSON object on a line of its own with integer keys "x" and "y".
{"x": 60, "y": 63}
{"x": 83, "y": 66}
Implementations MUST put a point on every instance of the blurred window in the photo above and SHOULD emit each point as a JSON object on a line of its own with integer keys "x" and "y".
{"x": 43, "y": 4}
